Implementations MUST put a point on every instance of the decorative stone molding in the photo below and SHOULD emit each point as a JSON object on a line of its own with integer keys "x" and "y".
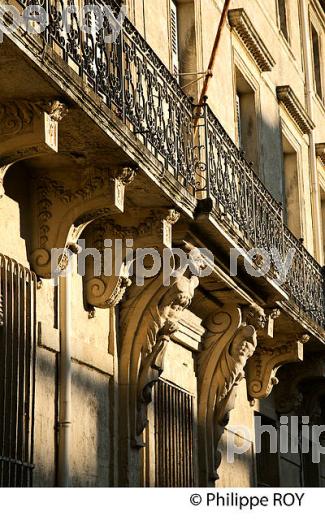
{"x": 320, "y": 152}
{"x": 149, "y": 316}
{"x": 230, "y": 340}
{"x": 262, "y": 367}
{"x": 17, "y": 117}
{"x": 25, "y": 131}
{"x": 287, "y": 97}
{"x": 289, "y": 394}
{"x": 62, "y": 211}
{"x": 242, "y": 25}
{"x": 154, "y": 231}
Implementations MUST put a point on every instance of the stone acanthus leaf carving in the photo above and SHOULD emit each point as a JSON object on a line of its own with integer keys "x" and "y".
{"x": 63, "y": 211}
{"x": 263, "y": 366}
{"x": 107, "y": 289}
{"x": 15, "y": 117}
{"x": 230, "y": 340}
{"x": 149, "y": 316}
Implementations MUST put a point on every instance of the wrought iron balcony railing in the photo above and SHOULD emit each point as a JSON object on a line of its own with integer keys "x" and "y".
{"x": 136, "y": 85}
{"x": 247, "y": 207}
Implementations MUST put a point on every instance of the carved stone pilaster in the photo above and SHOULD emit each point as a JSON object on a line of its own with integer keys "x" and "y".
{"x": 149, "y": 316}
{"x": 62, "y": 210}
{"x": 230, "y": 340}
{"x": 152, "y": 231}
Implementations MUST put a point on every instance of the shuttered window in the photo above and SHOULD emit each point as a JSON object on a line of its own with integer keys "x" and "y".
{"x": 174, "y": 38}
{"x": 317, "y": 61}
{"x": 238, "y": 117}
{"x": 173, "y": 436}
{"x": 283, "y": 18}
{"x": 17, "y": 373}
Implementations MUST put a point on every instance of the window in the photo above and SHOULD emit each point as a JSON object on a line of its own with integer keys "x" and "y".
{"x": 291, "y": 188}
{"x": 317, "y": 61}
{"x": 322, "y": 194}
{"x": 174, "y": 38}
{"x": 246, "y": 119}
{"x": 267, "y": 463}
{"x": 238, "y": 115}
{"x": 283, "y": 18}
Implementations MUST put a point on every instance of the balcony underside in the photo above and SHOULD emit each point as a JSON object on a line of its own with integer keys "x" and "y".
{"x": 94, "y": 134}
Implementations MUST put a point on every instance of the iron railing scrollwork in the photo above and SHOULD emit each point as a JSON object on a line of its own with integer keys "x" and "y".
{"x": 247, "y": 207}
{"x": 189, "y": 141}
{"x": 128, "y": 76}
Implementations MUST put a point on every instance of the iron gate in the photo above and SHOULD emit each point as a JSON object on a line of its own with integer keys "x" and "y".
{"x": 17, "y": 372}
{"x": 173, "y": 436}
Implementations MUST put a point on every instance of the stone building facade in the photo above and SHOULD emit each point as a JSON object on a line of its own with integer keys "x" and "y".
{"x": 105, "y": 138}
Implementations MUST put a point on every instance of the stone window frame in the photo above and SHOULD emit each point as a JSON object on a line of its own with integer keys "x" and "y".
{"x": 288, "y": 19}
{"x": 253, "y": 79}
{"x": 319, "y": 26}
{"x": 297, "y": 142}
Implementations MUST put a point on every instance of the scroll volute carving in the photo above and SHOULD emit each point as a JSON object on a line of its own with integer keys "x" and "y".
{"x": 270, "y": 355}
{"x": 149, "y": 316}
{"x": 62, "y": 210}
{"x": 120, "y": 242}
{"x": 230, "y": 340}
{"x": 24, "y": 133}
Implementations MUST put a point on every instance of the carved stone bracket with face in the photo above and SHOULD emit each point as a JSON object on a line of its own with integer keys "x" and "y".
{"x": 152, "y": 231}
{"x": 149, "y": 316}
{"x": 230, "y": 340}
{"x": 61, "y": 211}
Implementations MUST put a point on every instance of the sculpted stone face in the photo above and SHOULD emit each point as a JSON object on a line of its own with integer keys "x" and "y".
{"x": 244, "y": 345}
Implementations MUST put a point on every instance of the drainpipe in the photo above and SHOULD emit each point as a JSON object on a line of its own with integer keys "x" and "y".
{"x": 309, "y": 92}
{"x": 65, "y": 368}
{"x": 214, "y": 51}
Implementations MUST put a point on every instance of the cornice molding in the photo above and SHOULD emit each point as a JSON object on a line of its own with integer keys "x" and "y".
{"x": 287, "y": 97}
{"x": 240, "y": 22}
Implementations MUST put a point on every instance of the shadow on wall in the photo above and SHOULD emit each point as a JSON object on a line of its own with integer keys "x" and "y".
{"x": 90, "y": 435}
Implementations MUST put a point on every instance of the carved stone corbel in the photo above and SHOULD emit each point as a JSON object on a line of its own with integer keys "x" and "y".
{"x": 230, "y": 340}
{"x": 27, "y": 129}
{"x": 62, "y": 211}
{"x": 149, "y": 316}
{"x": 154, "y": 231}
{"x": 262, "y": 367}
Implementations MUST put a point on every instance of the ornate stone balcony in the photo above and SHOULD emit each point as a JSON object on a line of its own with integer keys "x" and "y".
{"x": 189, "y": 141}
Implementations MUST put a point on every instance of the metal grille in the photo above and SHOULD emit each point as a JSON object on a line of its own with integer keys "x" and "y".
{"x": 173, "y": 436}
{"x": 17, "y": 372}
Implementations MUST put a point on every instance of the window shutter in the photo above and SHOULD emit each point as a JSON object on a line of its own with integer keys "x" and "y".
{"x": 238, "y": 120}
{"x": 174, "y": 38}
